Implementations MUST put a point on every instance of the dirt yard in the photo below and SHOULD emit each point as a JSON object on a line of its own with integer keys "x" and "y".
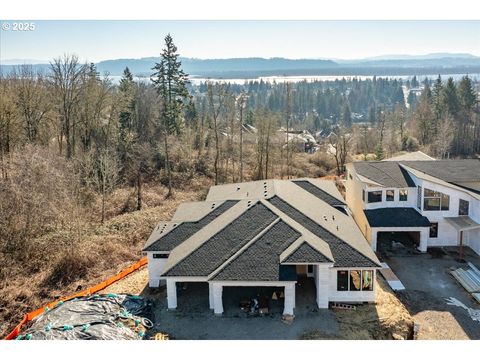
{"x": 428, "y": 284}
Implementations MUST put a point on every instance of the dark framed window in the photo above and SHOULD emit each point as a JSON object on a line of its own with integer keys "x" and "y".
{"x": 390, "y": 195}
{"x": 342, "y": 280}
{"x": 445, "y": 202}
{"x": 374, "y": 196}
{"x": 419, "y": 197}
{"x": 433, "y": 230}
{"x": 309, "y": 269}
{"x": 463, "y": 207}
{"x": 355, "y": 280}
{"x": 403, "y": 195}
{"x": 435, "y": 200}
{"x": 160, "y": 256}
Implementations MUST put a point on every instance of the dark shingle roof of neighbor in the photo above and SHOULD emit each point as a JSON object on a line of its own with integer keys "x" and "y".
{"x": 343, "y": 253}
{"x": 260, "y": 260}
{"x": 449, "y": 170}
{"x": 220, "y": 247}
{"x": 305, "y": 253}
{"x": 186, "y": 229}
{"x": 319, "y": 193}
{"x": 386, "y": 173}
{"x": 396, "y": 217}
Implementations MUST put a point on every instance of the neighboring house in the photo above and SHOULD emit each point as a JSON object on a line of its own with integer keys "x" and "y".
{"x": 265, "y": 233}
{"x": 427, "y": 202}
{"x": 303, "y": 140}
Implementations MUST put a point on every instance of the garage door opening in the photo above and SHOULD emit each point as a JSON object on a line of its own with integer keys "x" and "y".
{"x": 192, "y": 296}
{"x": 246, "y": 301}
{"x": 398, "y": 242}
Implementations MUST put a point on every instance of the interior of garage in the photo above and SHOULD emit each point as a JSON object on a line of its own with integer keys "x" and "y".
{"x": 397, "y": 242}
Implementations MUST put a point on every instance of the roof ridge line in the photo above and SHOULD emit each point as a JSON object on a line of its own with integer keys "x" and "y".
{"x": 243, "y": 248}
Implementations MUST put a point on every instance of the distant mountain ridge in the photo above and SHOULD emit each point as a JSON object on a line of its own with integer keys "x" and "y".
{"x": 439, "y": 63}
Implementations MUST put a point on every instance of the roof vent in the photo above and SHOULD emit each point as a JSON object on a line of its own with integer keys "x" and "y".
{"x": 325, "y": 217}
{"x": 337, "y": 227}
{"x": 238, "y": 188}
{"x": 333, "y": 217}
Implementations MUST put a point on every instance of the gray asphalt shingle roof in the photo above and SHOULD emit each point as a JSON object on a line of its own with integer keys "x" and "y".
{"x": 260, "y": 260}
{"x": 305, "y": 253}
{"x": 343, "y": 253}
{"x": 392, "y": 174}
{"x": 396, "y": 217}
{"x": 386, "y": 173}
{"x": 224, "y": 244}
{"x": 449, "y": 170}
{"x": 184, "y": 230}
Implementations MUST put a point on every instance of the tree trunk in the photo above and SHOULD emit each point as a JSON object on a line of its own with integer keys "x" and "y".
{"x": 167, "y": 166}
{"x": 139, "y": 191}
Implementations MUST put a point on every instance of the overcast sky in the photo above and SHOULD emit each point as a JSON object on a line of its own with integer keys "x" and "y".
{"x": 103, "y": 40}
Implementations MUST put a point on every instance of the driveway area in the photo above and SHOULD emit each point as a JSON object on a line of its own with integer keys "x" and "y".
{"x": 428, "y": 283}
{"x": 386, "y": 319}
{"x": 194, "y": 320}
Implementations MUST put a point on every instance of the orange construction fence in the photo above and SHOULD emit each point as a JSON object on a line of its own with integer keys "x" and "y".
{"x": 33, "y": 314}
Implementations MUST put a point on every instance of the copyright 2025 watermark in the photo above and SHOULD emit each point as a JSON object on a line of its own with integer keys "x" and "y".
{"x": 18, "y": 26}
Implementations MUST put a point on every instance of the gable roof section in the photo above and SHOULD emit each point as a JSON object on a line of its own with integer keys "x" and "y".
{"x": 344, "y": 254}
{"x": 167, "y": 241}
{"x": 453, "y": 171}
{"x": 259, "y": 261}
{"x": 303, "y": 253}
{"x": 214, "y": 250}
{"x": 385, "y": 173}
{"x": 396, "y": 217}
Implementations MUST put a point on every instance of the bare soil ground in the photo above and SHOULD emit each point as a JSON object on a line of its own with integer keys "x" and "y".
{"x": 428, "y": 284}
{"x": 385, "y": 320}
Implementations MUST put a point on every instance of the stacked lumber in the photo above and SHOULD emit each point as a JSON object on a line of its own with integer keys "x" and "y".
{"x": 469, "y": 279}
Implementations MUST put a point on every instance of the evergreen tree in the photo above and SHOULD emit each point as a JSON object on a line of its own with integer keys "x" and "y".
{"x": 449, "y": 98}
{"x": 438, "y": 107}
{"x": 347, "y": 115}
{"x": 170, "y": 81}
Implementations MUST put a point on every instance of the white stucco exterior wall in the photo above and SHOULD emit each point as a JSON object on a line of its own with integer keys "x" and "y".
{"x": 289, "y": 299}
{"x": 322, "y": 284}
{"x": 155, "y": 269}
{"x": 171, "y": 294}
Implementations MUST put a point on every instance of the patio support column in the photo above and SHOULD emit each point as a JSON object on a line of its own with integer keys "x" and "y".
{"x": 210, "y": 295}
{"x": 321, "y": 285}
{"x": 424, "y": 233}
{"x": 172, "y": 293}
{"x": 289, "y": 299}
{"x": 217, "y": 299}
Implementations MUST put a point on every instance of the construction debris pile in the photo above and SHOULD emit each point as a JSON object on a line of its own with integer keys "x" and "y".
{"x": 96, "y": 317}
{"x": 469, "y": 279}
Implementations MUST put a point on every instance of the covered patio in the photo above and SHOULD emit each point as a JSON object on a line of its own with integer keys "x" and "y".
{"x": 465, "y": 225}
